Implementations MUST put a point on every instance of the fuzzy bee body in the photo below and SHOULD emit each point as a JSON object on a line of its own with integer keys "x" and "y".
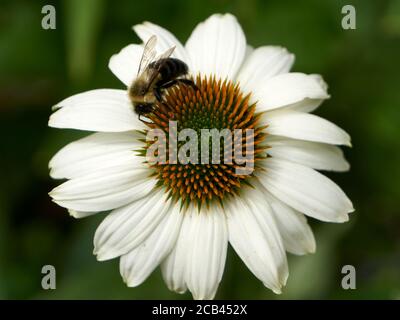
{"x": 169, "y": 69}
{"x": 154, "y": 76}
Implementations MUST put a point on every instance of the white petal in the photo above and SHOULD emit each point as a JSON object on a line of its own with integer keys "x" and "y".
{"x": 109, "y": 189}
{"x": 315, "y": 155}
{"x": 305, "y": 190}
{"x": 307, "y": 104}
{"x": 174, "y": 267}
{"x": 80, "y": 214}
{"x": 127, "y": 227}
{"x": 288, "y": 88}
{"x": 217, "y": 46}
{"x": 297, "y": 235}
{"x": 254, "y": 236}
{"x": 304, "y": 126}
{"x": 262, "y": 64}
{"x": 249, "y": 51}
{"x": 320, "y": 80}
{"x": 165, "y": 40}
{"x": 94, "y": 153}
{"x": 208, "y": 241}
{"x": 105, "y": 110}
{"x": 138, "y": 264}
{"x": 125, "y": 64}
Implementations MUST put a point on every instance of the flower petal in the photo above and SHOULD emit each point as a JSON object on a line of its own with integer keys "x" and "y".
{"x": 125, "y": 64}
{"x": 105, "y": 110}
{"x": 315, "y": 155}
{"x": 127, "y": 227}
{"x": 94, "y": 153}
{"x": 307, "y": 104}
{"x": 256, "y": 239}
{"x": 288, "y": 88}
{"x": 198, "y": 259}
{"x": 106, "y": 190}
{"x": 138, "y": 264}
{"x": 297, "y": 235}
{"x": 304, "y": 126}
{"x": 174, "y": 266}
{"x": 262, "y": 64}
{"x": 165, "y": 40}
{"x": 305, "y": 190}
{"x": 81, "y": 214}
{"x": 248, "y": 52}
{"x": 208, "y": 241}
{"x": 217, "y": 47}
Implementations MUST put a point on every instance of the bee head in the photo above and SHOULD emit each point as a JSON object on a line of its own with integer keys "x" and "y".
{"x": 143, "y": 108}
{"x": 138, "y": 88}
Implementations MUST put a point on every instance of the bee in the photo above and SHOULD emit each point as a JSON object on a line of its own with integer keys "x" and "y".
{"x": 154, "y": 76}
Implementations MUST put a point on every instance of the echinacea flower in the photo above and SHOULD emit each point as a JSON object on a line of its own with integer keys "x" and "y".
{"x": 182, "y": 216}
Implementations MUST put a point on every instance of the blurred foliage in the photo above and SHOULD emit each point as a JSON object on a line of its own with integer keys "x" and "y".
{"x": 40, "y": 67}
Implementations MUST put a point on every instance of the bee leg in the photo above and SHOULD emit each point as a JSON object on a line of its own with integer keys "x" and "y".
{"x": 168, "y": 84}
{"x": 188, "y": 83}
{"x": 157, "y": 94}
{"x": 145, "y": 122}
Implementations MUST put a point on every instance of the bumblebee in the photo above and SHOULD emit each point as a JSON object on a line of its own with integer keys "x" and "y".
{"x": 154, "y": 76}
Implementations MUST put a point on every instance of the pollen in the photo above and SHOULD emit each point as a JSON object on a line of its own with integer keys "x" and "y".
{"x": 213, "y": 104}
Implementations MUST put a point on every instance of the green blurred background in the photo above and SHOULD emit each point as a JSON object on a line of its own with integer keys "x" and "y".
{"x": 41, "y": 67}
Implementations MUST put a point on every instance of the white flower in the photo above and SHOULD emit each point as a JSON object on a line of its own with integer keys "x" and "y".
{"x": 146, "y": 227}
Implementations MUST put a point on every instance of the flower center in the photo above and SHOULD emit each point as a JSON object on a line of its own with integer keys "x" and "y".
{"x": 214, "y": 110}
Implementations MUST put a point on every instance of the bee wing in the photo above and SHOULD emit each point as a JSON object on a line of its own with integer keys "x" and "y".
{"x": 149, "y": 54}
{"x": 159, "y": 62}
{"x": 166, "y": 54}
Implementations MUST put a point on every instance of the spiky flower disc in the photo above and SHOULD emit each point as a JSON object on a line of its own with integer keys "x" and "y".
{"x": 214, "y": 104}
